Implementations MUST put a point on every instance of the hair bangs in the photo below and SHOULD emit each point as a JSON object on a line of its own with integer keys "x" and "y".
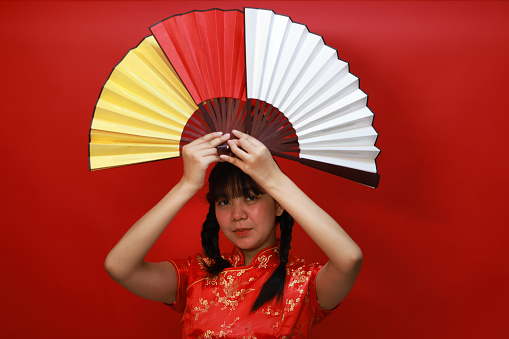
{"x": 226, "y": 181}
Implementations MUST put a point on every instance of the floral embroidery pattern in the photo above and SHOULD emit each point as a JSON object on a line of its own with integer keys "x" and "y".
{"x": 219, "y": 306}
{"x": 264, "y": 260}
{"x": 201, "y": 310}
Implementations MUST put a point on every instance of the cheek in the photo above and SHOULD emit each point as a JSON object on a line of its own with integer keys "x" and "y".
{"x": 222, "y": 217}
{"x": 264, "y": 213}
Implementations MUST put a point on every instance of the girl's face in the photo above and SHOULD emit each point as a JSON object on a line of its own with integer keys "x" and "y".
{"x": 249, "y": 222}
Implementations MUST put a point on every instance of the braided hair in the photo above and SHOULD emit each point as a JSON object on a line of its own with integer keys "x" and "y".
{"x": 228, "y": 181}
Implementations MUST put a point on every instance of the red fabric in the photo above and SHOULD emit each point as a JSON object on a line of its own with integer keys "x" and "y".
{"x": 219, "y": 307}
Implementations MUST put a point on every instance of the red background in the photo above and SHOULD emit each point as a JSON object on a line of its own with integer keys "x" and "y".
{"x": 433, "y": 233}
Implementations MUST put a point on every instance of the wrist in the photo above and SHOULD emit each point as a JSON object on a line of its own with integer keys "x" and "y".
{"x": 187, "y": 188}
{"x": 274, "y": 182}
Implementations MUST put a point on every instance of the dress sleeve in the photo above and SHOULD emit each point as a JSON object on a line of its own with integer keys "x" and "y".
{"x": 182, "y": 268}
{"x": 319, "y": 312}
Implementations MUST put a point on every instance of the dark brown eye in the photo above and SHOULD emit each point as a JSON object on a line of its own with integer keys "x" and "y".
{"x": 222, "y": 202}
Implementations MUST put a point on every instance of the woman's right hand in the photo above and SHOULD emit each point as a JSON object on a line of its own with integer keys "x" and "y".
{"x": 198, "y": 155}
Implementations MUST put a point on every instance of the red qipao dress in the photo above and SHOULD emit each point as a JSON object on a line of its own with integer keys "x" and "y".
{"x": 219, "y": 307}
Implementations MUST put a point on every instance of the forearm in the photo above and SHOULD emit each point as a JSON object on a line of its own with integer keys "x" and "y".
{"x": 344, "y": 254}
{"x": 129, "y": 253}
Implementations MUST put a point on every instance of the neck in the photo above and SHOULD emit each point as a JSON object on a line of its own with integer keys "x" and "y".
{"x": 250, "y": 254}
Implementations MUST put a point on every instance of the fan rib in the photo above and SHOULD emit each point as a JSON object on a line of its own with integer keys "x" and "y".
{"x": 362, "y": 177}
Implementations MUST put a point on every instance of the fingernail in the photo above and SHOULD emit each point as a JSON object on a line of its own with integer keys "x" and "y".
{"x": 219, "y": 133}
{"x": 227, "y": 135}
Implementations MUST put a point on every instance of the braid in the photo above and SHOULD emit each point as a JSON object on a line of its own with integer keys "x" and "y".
{"x": 210, "y": 243}
{"x": 275, "y": 285}
{"x": 286, "y": 226}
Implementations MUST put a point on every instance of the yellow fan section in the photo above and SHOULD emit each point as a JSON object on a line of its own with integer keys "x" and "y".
{"x": 141, "y": 112}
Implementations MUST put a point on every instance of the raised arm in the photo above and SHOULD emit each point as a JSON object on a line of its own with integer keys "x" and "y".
{"x": 126, "y": 261}
{"x": 337, "y": 277}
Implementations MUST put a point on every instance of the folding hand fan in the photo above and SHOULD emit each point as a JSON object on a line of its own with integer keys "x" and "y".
{"x": 254, "y": 71}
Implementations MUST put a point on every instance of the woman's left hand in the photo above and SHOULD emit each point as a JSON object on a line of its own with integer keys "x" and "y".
{"x": 252, "y": 157}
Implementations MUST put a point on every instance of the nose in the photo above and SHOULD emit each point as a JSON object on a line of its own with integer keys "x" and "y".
{"x": 238, "y": 211}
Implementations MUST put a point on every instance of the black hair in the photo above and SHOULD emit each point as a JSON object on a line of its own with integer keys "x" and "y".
{"x": 226, "y": 181}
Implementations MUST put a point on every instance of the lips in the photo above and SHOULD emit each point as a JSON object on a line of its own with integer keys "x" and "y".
{"x": 242, "y": 232}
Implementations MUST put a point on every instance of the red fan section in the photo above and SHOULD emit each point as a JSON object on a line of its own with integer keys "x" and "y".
{"x": 206, "y": 48}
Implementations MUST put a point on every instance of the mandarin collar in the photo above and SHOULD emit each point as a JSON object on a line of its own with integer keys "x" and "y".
{"x": 265, "y": 258}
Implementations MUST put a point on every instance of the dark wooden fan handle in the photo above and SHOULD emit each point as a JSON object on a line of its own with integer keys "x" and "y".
{"x": 224, "y": 149}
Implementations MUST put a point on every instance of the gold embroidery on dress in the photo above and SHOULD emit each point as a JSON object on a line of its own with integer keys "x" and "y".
{"x": 248, "y": 329}
{"x": 290, "y": 304}
{"x": 202, "y": 310}
{"x": 236, "y": 259}
{"x": 232, "y": 293}
{"x": 209, "y": 334}
{"x": 278, "y": 313}
{"x": 212, "y": 280}
{"x": 230, "y": 326}
{"x": 202, "y": 261}
{"x": 228, "y": 290}
{"x": 299, "y": 278}
{"x": 264, "y": 260}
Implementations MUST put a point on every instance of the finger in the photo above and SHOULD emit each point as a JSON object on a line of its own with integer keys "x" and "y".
{"x": 249, "y": 143}
{"x": 232, "y": 160}
{"x": 245, "y": 145}
{"x": 197, "y": 143}
{"x": 210, "y": 140}
{"x": 209, "y": 151}
{"x": 212, "y": 159}
{"x": 239, "y": 134}
{"x": 210, "y": 136}
{"x": 240, "y": 153}
{"x": 219, "y": 140}
{"x": 213, "y": 143}
{"x": 245, "y": 136}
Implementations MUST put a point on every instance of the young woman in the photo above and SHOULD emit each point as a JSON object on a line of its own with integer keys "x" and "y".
{"x": 257, "y": 291}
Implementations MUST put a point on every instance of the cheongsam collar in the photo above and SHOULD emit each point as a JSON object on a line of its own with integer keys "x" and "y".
{"x": 265, "y": 258}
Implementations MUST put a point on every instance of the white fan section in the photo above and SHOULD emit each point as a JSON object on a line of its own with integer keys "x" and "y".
{"x": 294, "y": 71}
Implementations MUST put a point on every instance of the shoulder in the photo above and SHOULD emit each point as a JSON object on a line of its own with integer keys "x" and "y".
{"x": 302, "y": 279}
{"x": 295, "y": 263}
